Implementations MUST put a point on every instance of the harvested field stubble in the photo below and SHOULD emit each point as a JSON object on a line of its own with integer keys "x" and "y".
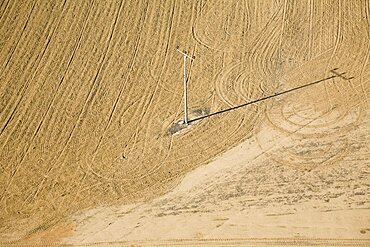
{"x": 90, "y": 92}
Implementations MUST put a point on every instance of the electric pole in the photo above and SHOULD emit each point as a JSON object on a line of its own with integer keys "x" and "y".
{"x": 185, "y": 54}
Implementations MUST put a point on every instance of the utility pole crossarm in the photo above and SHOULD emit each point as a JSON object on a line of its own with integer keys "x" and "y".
{"x": 185, "y": 54}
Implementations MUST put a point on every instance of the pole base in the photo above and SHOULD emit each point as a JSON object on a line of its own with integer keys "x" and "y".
{"x": 183, "y": 122}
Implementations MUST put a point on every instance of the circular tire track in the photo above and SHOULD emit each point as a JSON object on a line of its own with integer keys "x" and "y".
{"x": 308, "y": 134}
{"x": 218, "y": 30}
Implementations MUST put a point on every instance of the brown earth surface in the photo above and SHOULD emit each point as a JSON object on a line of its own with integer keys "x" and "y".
{"x": 91, "y": 92}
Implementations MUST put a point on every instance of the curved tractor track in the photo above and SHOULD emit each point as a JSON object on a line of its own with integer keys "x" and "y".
{"x": 90, "y": 89}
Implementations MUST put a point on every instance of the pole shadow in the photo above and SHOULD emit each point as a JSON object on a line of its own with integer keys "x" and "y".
{"x": 336, "y": 74}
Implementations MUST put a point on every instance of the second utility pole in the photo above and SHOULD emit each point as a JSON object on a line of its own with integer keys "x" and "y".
{"x": 184, "y": 53}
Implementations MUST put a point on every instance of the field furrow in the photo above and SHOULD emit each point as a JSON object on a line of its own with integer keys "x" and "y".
{"x": 92, "y": 110}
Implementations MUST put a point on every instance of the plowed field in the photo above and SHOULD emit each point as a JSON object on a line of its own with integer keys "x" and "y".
{"x": 90, "y": 91}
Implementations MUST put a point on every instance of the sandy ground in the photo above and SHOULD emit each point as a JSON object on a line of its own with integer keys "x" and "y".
{"x": 91, "y": 92}
{"x": 239, "y": 197}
